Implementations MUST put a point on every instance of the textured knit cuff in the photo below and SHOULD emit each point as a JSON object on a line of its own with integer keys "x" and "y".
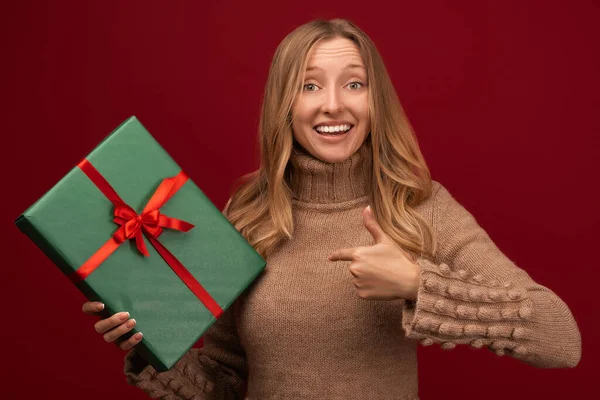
{"x": 185, "y": 380}
{"x": 135, "y": 366}
{"x": 455, "y": 307}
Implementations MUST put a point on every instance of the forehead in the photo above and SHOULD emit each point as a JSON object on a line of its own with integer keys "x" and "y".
{"x": 340, "y": 51}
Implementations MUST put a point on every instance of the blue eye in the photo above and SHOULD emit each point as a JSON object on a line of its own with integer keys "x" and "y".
{"x": 306, "y": 86}
{"x": 309, "y": 84}
{"x": 357, "y": 82}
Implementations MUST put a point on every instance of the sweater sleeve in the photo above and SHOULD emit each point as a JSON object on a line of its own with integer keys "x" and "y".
{"x": 218, "y": 370}
{"x": 473, "y": 294}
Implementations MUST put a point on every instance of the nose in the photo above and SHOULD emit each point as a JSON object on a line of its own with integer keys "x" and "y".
{"x": 333, "y": 102}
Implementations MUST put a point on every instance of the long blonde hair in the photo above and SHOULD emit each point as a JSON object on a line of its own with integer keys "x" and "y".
{"x": 261, "y": 207}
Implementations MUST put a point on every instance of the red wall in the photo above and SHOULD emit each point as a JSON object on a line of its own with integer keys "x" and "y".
{"x": 503, "y": 97}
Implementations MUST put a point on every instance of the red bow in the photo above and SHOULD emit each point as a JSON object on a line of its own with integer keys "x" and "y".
{"x": 150, "y": 221}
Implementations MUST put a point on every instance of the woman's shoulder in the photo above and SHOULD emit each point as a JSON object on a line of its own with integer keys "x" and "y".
{"x": 437, "y": 204}
{"x": 447, "y": 212}
{"x": 440, "y": 195}
{"x": 436, "y": 187}
{"x": 430, "y": 200}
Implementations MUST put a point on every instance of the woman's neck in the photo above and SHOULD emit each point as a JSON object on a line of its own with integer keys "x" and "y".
{"x": 315, "y": 181}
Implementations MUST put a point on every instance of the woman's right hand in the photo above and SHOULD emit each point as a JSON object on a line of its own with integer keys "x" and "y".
{"x": 114, "y": 327}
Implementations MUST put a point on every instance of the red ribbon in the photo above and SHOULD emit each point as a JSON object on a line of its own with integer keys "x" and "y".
{"x": 151, "y": 222}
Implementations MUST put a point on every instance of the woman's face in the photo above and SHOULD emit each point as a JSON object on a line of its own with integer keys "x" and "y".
{"x": 334, "y": 97}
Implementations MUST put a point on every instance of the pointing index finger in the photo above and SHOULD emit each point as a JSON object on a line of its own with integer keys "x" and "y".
{"x": 342, "y": 255}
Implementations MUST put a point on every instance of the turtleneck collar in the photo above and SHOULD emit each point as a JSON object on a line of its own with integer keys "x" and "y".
{"x": 316, "y": 181}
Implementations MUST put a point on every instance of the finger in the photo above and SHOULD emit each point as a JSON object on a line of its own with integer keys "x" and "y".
{"x": 92, "y": 307}
{"x": 372, "y": 226}
{"x": 119, "y": 331}
{"x": 342, "y": 255}
{"x": 132, "y": 341}
{"x": 107, "y": 324}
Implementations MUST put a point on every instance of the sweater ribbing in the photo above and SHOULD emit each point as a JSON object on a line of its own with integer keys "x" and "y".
{"x": 315, "y": 181}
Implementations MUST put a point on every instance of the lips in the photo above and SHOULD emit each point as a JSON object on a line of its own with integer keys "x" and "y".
{"x": 316, "y": 126}
{"x": 333, "y": 123}
{"x": 332, "y": 134}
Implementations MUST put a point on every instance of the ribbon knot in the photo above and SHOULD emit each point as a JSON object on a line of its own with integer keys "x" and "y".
{"x": 150, "y": 222}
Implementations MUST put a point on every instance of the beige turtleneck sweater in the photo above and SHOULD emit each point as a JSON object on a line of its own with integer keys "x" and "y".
{"x": 300, "y": 331}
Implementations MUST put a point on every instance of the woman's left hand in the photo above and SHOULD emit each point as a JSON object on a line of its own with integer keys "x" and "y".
{"x": 382, "y": 271}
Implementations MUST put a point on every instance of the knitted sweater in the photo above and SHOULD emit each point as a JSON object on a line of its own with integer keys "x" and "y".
{"x": 300, "y": 331}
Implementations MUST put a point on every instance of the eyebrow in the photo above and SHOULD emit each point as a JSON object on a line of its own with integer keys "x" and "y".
{"x": 349, "y": 66}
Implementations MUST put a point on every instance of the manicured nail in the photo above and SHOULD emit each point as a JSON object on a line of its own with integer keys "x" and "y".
{"x": 123, "y": 316}
{"x": 131, "y": 323}
{"x": 100, "y": 307}
{"x": 369, "y": 209}
{"x": 138, "y": 336}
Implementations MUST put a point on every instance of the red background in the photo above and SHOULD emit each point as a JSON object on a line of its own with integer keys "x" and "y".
{"x": 503, "y": 96}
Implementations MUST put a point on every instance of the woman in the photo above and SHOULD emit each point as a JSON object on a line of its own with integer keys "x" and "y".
{"x": 349, "y": 290}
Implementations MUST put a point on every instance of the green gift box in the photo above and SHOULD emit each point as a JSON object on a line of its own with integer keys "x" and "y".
{"x": 195, "y": 263}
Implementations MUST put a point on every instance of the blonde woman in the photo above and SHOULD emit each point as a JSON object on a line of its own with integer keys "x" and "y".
{"x": 367, "y": 257}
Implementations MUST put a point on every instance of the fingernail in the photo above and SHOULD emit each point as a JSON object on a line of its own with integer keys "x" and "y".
{"x": 123, "y": 316}
{"x": 138, "y": 336}
{"x": 100, "y": 307}
{"x": 369, "y": 208}
{"x": 130, "y": 323}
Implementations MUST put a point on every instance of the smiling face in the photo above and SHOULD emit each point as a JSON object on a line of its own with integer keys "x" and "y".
{"x": 334, "y": 97}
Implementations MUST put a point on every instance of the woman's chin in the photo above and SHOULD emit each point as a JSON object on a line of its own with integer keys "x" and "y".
{"x": 332, "y": 156}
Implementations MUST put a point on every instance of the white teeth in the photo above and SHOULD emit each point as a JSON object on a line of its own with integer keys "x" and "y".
{"x": 337, "y": 128}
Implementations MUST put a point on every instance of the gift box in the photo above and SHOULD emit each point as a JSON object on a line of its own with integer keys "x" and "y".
{"x": 130, "y": 229}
